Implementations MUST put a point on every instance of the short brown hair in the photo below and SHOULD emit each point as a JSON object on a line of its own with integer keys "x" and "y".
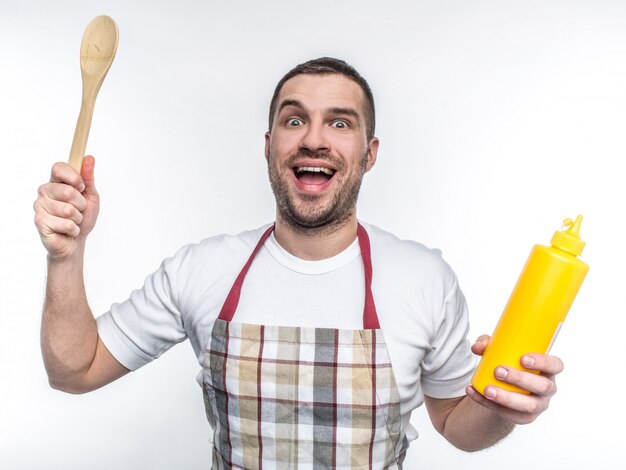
{"x": 330, "y": 66}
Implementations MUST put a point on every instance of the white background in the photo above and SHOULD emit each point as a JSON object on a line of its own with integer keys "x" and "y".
{"x": 497, "y": 120}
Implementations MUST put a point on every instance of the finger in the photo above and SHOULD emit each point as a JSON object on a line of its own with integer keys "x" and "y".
{"x": 544, "y": 363}
{"x": 533, "y": 383}
{"x": 519, "y": 402}
{"x": 481, "y": 400}
{"x": 62, "y": 210}
{"x": 64, "y": 173}
{"x": 50, "y": 225}
{"x": 63, "y": 192}
{"x": 509, "y": 414}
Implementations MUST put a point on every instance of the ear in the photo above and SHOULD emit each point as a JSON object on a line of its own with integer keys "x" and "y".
{"x": 372, "y": 153}
{"x": 267, "y": 145}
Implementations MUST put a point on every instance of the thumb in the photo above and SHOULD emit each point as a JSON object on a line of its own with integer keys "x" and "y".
{"x": 481, "y": 344}
{"x": 87, "y": 173}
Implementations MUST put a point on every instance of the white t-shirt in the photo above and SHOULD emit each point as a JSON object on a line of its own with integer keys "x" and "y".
{"x": 421, "y": 309}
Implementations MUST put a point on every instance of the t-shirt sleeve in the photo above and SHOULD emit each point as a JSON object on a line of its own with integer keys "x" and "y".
{"x": 146, "y": 325}
{"x": 447, "y": 369}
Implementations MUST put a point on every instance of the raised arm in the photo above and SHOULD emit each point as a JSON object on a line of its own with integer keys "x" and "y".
{"x": 66, "y": 210}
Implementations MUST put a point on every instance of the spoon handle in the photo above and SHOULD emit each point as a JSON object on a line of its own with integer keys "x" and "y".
{"x": 81, "y": 133}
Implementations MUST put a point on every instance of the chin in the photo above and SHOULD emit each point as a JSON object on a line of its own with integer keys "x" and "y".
{"x": 326, "y": 220}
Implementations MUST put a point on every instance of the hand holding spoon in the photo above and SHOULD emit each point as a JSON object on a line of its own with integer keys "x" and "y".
{"x": 97, "y": 51}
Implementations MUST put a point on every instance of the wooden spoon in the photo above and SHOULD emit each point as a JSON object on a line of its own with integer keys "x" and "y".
{"x": 97, "y": 51}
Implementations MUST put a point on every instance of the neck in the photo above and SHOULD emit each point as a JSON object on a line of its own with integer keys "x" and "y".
{"x": 318, "y": 243}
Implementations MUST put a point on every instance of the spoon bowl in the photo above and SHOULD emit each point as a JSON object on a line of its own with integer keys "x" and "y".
{"x": 97, "y": 51}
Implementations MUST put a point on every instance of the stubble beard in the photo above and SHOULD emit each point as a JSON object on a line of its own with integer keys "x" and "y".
{"x": 316, "y": 216}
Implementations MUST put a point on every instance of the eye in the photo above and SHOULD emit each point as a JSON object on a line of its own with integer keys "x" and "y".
{"x": 340, "y": 124}
{"x": 294, "y": 122}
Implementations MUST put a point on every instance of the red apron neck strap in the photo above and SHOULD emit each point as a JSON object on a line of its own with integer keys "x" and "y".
{"x": 370, "y": 318}
{"x": 230, "y": 305}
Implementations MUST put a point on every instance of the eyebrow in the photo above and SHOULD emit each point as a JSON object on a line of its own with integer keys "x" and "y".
{"x": 294, "y": 103}
{"x": 342, "y": 111}
{"x": 345, "y": 112}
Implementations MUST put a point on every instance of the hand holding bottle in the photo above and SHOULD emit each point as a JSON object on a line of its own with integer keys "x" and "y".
{"x": 519, "y": 408}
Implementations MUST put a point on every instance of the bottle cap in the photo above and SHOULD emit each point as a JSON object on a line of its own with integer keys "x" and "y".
{"x": 569, "y": 239}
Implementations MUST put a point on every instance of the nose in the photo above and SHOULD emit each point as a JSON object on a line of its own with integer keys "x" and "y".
{"x": 315, "y": 139}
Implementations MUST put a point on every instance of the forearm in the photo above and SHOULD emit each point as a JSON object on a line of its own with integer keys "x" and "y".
{"x": 68, "y": 330}
{"x": 472, "y": 427}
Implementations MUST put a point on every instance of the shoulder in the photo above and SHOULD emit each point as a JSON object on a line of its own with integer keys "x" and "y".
{"x": 212, "y": 259}
{"x": 411, "y": 271}
{"x": 392, "y": 252}
{"x": 210, "y": 265}
{"x": 223, "y": 247}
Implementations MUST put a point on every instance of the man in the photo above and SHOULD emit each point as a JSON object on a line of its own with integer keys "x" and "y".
{"x": 317, "y": 335}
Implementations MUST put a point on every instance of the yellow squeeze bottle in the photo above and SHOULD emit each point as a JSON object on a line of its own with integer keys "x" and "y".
{"x": 537, "y": 307}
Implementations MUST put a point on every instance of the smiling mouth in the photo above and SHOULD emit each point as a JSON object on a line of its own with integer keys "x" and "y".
{"x": 313, "y": 174}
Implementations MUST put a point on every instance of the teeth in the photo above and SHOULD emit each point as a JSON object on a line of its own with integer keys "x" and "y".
{"x": 316, "y": 169}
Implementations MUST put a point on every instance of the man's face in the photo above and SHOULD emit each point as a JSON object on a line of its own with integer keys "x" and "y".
{"x": 317, "y": 150}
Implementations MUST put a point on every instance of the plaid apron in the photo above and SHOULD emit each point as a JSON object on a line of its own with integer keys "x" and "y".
{"x": 307, "y": 398}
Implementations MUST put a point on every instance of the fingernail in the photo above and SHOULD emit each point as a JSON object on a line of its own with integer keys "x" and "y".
{"x": 528, "y": 361}
{"x": 81, "y": 187}
{"x": 501, "y": 373}
{"x": 490, "y": 392}
{"x": 470, "y": 390}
